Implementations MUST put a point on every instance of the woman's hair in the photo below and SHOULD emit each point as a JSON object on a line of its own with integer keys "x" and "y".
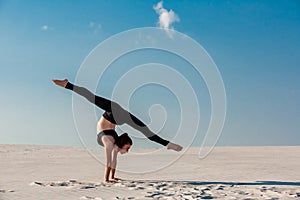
{"x": 124, "y": 139}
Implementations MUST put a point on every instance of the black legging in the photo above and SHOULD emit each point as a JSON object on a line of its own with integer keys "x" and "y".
{"x": 120, "y": 115}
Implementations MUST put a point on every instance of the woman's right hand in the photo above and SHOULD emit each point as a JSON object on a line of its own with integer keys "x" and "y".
{"x": 110, "y": 181}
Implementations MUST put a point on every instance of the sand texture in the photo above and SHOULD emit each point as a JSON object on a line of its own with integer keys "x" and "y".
{"x": 48, "y": 172}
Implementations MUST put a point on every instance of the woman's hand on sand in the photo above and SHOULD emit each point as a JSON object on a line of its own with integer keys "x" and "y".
{"x": 112, "y": 180}
{"x": 116, "y": 179}
{"x": 174, "y": 147}
{"x": 61, "y": 83}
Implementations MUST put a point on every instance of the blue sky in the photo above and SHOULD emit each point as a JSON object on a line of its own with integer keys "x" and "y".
{"x": 255, "y": 44}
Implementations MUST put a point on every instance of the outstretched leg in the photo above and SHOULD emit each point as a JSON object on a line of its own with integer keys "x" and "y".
{"x": 137, "y": 124}
{"x": 101, "y": 102}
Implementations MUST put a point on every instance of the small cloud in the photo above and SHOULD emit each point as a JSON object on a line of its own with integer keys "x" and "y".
{"x": 95, "y": 27}
{"x": 46, "y": 28}
{"x": 91, "y": 24}
{"x": 166, "y": 18}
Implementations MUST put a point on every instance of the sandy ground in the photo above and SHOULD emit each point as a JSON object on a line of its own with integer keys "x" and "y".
{"x": 48, "y": 172}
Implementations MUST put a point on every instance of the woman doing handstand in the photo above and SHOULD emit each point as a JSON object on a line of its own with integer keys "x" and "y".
{"x": 107, "y": 137}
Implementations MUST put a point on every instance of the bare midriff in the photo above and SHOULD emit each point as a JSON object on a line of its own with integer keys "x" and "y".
{"x": 104, "y": 124}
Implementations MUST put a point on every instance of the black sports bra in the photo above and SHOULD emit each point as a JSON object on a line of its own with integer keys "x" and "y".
{"x": 110, "y": 132}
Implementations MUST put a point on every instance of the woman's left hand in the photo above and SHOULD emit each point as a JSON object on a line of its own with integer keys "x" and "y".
{"x": 115, "y": 179}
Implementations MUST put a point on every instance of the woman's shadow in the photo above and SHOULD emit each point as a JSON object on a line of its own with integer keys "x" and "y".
{"x": 278, "y": 183}
{"x": 262, "y": 183}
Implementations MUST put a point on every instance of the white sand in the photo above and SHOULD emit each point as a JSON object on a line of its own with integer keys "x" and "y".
{"x": 47, "y": 172}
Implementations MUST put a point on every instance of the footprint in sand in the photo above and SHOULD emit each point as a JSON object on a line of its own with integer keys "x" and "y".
{"x": 155, "y": 195}
{"x": 62, "y": 184}
{"x": 140, "y": 187}
{"x": 203, "y": 192}
{"x": 130, "y": 185}
{"x": 6, "y": 191}
{"x": 69, "y": 184}
{"x": 126, "y": 198}
{"x": 206, "y": 197}
{"x": 37, "y": 183}
{"x": 53, "y": 184}
{"x": 220, "y": 187}
{"x": 149, "y": 184}
{"x": 88, "y": 187}
{"x": 243, "y": 193}
{"x": 87, "y": 197}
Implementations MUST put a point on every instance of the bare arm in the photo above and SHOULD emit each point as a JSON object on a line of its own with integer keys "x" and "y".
{"x": 108, "y": 153}
{"x": 114, "y": 161}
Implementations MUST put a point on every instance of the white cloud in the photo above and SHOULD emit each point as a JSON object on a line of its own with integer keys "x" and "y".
{"x": 91, "y": 24}
{"x": 46, "y": 28}
{"x": 95, "y": 27}
{"x": 166, "y": 18}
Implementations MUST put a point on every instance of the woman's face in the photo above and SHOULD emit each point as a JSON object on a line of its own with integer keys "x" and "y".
{"x": 125, "y": 148}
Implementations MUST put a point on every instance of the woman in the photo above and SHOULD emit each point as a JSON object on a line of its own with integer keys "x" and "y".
{"x": 107, "y": 137}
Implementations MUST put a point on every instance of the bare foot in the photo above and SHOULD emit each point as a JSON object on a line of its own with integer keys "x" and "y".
{"x": 174, "y": 147}
{"x": 61, "y": 83}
